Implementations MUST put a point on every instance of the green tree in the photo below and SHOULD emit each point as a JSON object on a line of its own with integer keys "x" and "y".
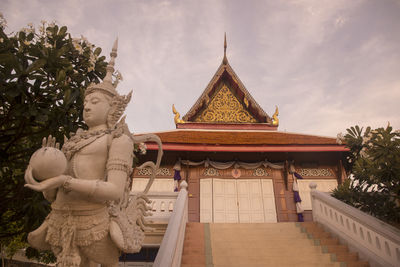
{"x": 43, "y": 74}
{"x": 374, "y": 164}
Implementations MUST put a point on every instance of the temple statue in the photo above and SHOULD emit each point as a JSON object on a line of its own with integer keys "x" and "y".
{"x": 93, "y": 217}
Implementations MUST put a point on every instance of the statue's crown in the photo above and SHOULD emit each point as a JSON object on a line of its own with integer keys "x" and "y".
{"x": 107, "y": 85}
{"x": 119, "y": 102}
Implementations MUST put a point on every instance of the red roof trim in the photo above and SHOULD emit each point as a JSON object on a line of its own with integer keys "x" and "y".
{"x": 248, "y": 148}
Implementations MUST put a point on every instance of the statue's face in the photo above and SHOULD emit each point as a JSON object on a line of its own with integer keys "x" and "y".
{"x": 96, "y": 108}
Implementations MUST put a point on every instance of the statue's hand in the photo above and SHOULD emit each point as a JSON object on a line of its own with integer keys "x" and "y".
{"x": 51, "y": 183}
{"x": 29, "y": 176}
{"x": 50, "y": 142}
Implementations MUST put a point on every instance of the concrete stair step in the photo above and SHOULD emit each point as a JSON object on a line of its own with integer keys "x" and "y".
{"x": 280, "y": 265}
{"x": 193, "y": 244}
{"x": 335, "y": 248}
{"x": 265, "y": 240}
{"x": 287, "y": 234}
{"x": 193, "y": 225}
{"x": 357, "y": 264}
{"x": 193, "y": 234}
{"x": 193, "y": 250}
{"x": 319, "y": 235}
{"x": 327, "y": 241}
{"x": 317, "y": 260}
{"x": 194, "y": 229}
{"x": 255, "y": 245}
{"x": 194, "y": 238}
{"x": 347, "y": 257}
{"x": 265, "y": 244}
{"x": 338, "y": 252}
{"x": 193, "y": 259}
{"x": 258, "y": 246}
{"x": 251, "y": 226}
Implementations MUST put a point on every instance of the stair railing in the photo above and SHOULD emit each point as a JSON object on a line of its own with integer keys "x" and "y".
{"x": 171, "y": 248}
{"x": 162, "y": 205}
{"x": 375, "y": 241}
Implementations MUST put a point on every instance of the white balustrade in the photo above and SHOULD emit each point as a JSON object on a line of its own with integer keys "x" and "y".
{"x": 170, "y": 252}
{"x": 375, "y": 240}
{"x": 135, "y": 264}
{"x": 162, "y": 205}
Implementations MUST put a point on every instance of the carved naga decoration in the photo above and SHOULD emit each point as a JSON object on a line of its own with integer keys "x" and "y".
{"x": 177, "y": 118}
{"x": 275, "y": 120}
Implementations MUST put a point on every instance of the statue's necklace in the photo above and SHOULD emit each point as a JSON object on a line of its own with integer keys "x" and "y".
{"x": 81, "y": 139}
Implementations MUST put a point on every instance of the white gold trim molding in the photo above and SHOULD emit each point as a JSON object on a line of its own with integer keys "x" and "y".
{"x": 315, "y": 172}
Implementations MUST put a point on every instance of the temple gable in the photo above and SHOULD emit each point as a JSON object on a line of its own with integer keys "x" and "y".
{"x": 225, "y": 107}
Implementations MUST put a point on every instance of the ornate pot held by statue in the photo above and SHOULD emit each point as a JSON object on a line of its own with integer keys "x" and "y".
{"x": 47, "y": 162}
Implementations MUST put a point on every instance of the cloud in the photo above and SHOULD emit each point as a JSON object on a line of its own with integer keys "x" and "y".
{"x": 326, "y": 64}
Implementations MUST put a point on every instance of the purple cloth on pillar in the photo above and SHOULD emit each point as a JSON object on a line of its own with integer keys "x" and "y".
{"x": 298, "y": 176}
{"x": 177, "y": 175}
{"x": 300, "y": 216}
{"x": 176, "y": 189}
{"x": 296, "y": 196}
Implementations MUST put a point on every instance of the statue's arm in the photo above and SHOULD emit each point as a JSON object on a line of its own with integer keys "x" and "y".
{"x": 99, "y": 190}
{"x": 50, "y": 195}
{"x": 49, "y": 192}
{"x": 119, "y": 166}
{"x": 112, "y": 189}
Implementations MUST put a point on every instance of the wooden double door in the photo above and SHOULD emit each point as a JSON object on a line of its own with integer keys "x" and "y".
{"x": 237, "y": 200}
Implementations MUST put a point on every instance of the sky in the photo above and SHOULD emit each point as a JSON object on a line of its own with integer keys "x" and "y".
{"x": 327, "y": 65}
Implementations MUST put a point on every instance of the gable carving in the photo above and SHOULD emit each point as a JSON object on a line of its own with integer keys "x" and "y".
{"x": 225, "y": 107}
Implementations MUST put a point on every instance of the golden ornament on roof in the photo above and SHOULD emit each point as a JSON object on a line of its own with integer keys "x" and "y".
{"x": 177, "y": 118}
{"x": 275, "y": 120}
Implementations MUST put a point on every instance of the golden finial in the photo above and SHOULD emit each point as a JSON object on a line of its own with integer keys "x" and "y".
{"x": 177, "y": 115}
{"x": 275, "y": 120}
{"x": 225, "y": 60}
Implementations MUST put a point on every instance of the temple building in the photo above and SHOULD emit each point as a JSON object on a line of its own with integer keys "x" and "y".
{"x": 233, "y": 190}
{"x": 239, "y": 167}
